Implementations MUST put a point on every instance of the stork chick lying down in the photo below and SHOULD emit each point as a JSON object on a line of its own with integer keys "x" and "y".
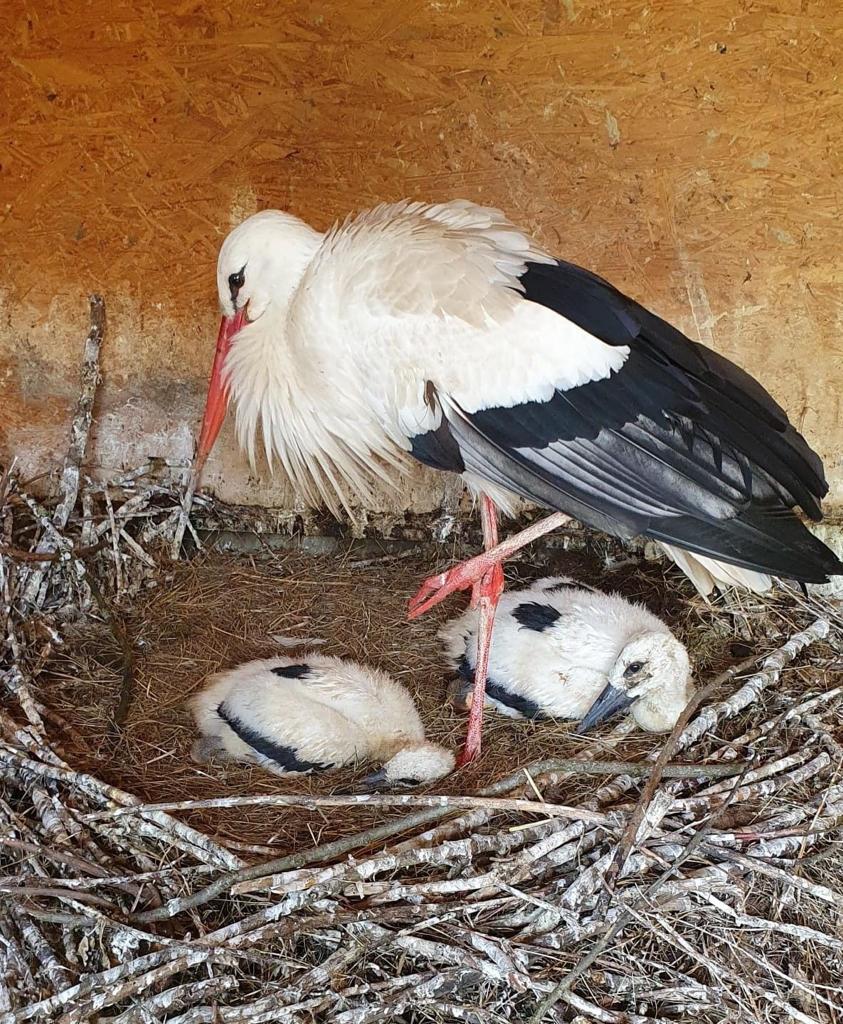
{"x": 313, "y": 714}
{"x": 564, "y": 652}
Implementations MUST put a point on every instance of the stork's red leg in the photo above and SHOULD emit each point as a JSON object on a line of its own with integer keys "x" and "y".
{"x": 472, "y": 572}
{"x": 485, "y": 577}
{"x": 485, "y": 595}
{"x": 489, "y": 523}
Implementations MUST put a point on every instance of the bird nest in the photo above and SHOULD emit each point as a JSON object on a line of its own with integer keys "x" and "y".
{"x": 622, "y": 878}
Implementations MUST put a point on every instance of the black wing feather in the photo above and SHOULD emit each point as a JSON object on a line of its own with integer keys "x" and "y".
{"x": 285, "y": 757}
{"x": 680, "y": 444}
{"x": 725, "y": 399}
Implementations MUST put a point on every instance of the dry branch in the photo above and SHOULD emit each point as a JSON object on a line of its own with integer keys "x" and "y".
{"x": 69, "y": 486}
{"x": 313, "y": 803}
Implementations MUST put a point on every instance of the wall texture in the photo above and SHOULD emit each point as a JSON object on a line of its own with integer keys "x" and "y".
{"x": 689, "y": 152}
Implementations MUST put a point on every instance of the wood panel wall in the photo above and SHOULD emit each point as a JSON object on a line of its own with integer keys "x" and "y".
{"x": 689, "y": 152}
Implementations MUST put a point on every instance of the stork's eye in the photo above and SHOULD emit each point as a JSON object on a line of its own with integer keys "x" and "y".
{"x": 236, "y": 281}
{"x": 632, "y": 668}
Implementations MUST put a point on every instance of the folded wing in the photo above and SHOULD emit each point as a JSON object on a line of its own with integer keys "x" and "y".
{"x": 679, "y": 444}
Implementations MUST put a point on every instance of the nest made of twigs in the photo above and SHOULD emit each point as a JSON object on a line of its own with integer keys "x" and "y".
{"x": 541, "y": 891}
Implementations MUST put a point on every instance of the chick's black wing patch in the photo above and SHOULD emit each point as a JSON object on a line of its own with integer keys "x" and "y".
{"x": 291, "y": 671}
{"x": 285, "y": 757}
{"x": 523, "y": 706}
{"x": 535, "y": 615}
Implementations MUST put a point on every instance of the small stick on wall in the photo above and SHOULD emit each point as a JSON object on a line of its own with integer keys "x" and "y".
{"x": 79, "y": 433}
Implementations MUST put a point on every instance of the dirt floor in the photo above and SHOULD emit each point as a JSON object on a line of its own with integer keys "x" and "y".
{"x": 216, "y": 611}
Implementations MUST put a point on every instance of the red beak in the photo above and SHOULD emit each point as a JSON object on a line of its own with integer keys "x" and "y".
{"x": 216, "y": 403}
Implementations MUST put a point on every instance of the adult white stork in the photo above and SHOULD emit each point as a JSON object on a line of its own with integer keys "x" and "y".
{"x": 443, "y": 333}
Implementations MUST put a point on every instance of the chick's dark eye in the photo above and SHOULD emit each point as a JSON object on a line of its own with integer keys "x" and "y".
{"x": 408, "y": 782}
{"x": 236, "y": 281}
{"x": 633, "y": 667}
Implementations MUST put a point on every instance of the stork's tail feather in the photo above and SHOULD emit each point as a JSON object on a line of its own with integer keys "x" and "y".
{"x": 707, "y": 574}
{"x": 764, "y": 541}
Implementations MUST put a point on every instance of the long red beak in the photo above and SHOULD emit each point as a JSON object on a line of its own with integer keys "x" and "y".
{"x": 216, "y": 403}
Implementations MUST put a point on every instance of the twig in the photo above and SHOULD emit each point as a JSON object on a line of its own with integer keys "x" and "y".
{"x": 84, "y": 413}
{"x": 717, "y": 970}
{"x": 637, "y": 817}
{"x": 799, "y": 931}
{"x": 770, "y": 671}
{"x": 620, "y": 921}
{"x": 50, "y": 556}
{"x": 313, "y": 803}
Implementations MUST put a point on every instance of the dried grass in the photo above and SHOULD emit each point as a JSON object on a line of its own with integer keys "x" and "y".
{"x": 217, "y": 611}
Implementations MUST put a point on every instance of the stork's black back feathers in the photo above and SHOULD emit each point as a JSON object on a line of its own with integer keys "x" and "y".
{"x": 679, "y": 444}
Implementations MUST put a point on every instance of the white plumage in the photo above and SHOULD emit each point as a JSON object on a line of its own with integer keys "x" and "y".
{"x": 355, "y": 347}
{"x": 434, "y": 293}
{"x": 313, "y": 714}
{"x": 557, "y": 649}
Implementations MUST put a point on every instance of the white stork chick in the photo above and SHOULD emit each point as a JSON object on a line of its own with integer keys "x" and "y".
{"x": 564, "y": 652}
{"x": 314, "y": 714}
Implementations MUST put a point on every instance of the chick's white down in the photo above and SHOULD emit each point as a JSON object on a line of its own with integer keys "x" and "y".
{"x": 313, "y": 713}
{"x": 563, "y": 667}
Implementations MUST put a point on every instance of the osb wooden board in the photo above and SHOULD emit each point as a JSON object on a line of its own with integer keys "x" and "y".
{"x": 691, "y": 153}
{"x": 218, "y": 611}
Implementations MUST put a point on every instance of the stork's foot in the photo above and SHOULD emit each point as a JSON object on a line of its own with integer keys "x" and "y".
{"x": 483, "y": 574}
{"x": 208, "y": 748}
{"x": 461, "y": 696}
{"x": 459, "y": 693}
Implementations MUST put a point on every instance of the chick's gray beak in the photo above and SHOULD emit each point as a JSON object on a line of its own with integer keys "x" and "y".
{"x": 377, "y": 780}
{"x": 610, "y": 703}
